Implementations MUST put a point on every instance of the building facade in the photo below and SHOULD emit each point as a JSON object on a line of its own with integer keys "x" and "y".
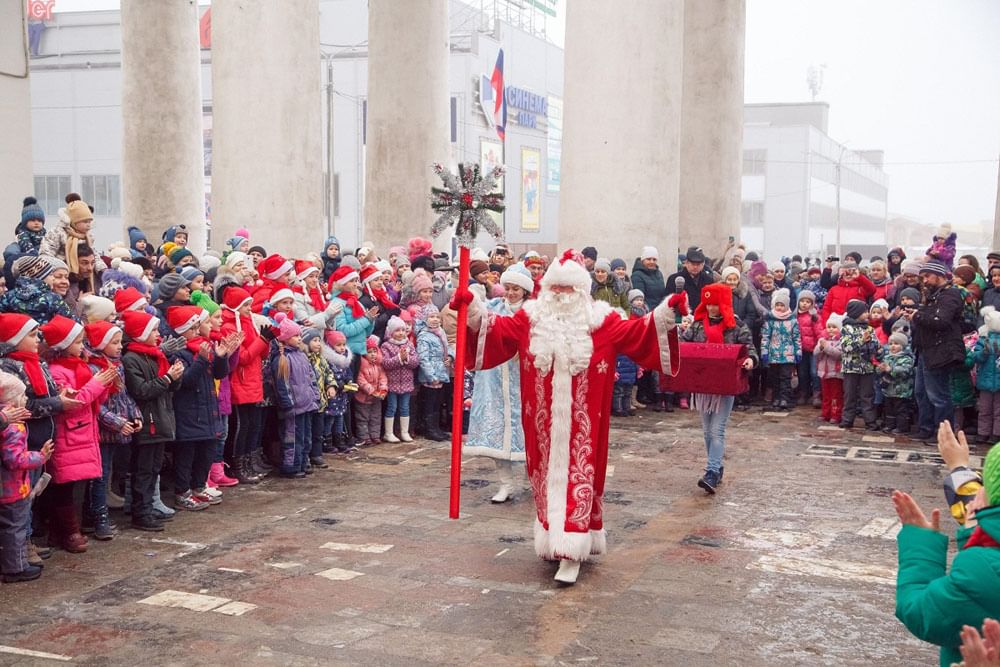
{"x": 76, "y": 90}
{"x": 790, "y": 185}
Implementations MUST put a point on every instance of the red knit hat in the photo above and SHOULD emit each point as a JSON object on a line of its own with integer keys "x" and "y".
{"x": 60, "y": 332}
{"x": 129, "y": 299}
{"x": 235, "y": 298}
{"x": 99, "y": 334}
{"x": 274, "y": 266}
{"x": 303, "y": 268}
{"x": 183, "y": 318}
{"x": 341, "y": 276}
{"x": 717, "y": 294}
{"x": 14, "y": 327}
{"x": 139, "y": 324}
{"x": 371, "y": 343}
{"x": 369, "y": 272}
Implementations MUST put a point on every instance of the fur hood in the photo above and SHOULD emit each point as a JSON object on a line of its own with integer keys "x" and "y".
{"x": 338, "y": 360}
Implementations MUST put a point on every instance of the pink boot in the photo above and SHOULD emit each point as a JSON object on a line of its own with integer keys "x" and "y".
{"x": 217, "y": 476}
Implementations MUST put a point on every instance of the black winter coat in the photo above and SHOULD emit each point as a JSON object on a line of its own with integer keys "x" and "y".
{"x": 650, "y": 282}
{"x": 744, "y": 307}
{"x": 937, "y": 329}
{"x": 196, "y": 405}
{"x": 41, "y": 427}
{"x": 151, "y": 392}
{"x": 692, "y": 284}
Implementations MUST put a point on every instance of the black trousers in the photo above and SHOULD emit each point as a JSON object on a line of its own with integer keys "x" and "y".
{"x": 248, "y": 429}
{"x": 898, "y": 412}
{"x": 192, "y": 461}
{"x": 859, "y": 396}
{"x": 145, "y": 464}
{"x": 780, "y": 376}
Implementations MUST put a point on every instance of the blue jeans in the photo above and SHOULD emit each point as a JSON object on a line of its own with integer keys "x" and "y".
{"x": 714, "y": 426}
{"x": 932, "y": 389}
{"x": 296, "y": 442}
{"x": 220, "y": 446}
{"x": 97, "y": 495}
{"x": 397, "y": 403}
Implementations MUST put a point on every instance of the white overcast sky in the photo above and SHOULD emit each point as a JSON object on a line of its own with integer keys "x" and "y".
{"x": 919, "y": 79}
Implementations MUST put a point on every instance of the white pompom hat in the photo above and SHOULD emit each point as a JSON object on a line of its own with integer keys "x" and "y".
{"x": 567, "y": 271}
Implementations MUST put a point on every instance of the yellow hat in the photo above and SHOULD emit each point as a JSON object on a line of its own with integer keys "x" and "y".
{"x": 78, "y": 211}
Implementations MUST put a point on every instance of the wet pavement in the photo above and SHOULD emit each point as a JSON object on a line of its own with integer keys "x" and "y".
{"x": 792, "y": 563}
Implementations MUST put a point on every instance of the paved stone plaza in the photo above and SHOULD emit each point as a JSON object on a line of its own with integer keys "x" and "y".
{"x": 793, "y": 563}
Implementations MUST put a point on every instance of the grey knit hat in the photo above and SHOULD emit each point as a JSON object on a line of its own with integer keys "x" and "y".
{"x": 169, "y": 284}
{"x": 900, "y": 338}
{"x": 807, "y": 294}
{"x": 309, "y": 333}
{"x": 634, "y": 294}
{"x": 602, "y": 265}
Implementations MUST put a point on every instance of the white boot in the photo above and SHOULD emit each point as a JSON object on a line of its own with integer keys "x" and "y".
{"x": 389, "y": 435}
{"x": 569, "y": 570}
{"x": 404, "y": 429}
{"x": 506, "y": 490}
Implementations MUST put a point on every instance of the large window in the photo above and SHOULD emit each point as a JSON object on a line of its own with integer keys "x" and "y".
{"x": 50, "y": 191}
{"x": 755, "y": 162}
{"x": 101, "y": 192}
{"x": 753, "y": 214}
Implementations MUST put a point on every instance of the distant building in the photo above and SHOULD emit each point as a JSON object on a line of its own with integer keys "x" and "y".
{"x": 789, "y": 185}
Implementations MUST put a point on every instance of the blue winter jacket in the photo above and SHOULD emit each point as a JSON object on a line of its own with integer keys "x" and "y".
{"x": 356, "y": 329}
{"x": 196, "y": 405}
{"x": 986, "y": 354}
{"x": 431, "y": 352}
{"x": 298, "y": 394}
{"x": 627, "y": 369}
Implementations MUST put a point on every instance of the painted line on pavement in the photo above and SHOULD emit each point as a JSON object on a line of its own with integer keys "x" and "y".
{"x": 883, "y": 527}
{"x": 337, "y": 574}
{"x": 821, "y": 567}
{"x": 284, "y": 566}
{"x": 360, "y": 548}
{"x": 198, "y": 602}
{"x": 34, "y": 654}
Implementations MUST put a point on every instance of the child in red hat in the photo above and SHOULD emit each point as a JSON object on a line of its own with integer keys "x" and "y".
{"x": 77, "y": 455}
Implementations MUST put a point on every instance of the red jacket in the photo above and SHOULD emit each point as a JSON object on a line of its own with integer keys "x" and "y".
{"x": 261, "y": 293}
{"x": 836, "y": 299}
{"x": 810, "y": 329}
{"x": 247, "y": 379}
{"x": 77, "y": 452}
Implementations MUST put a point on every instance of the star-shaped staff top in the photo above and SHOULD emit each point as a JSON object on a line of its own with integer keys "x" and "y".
{"x": 464, "y": 202}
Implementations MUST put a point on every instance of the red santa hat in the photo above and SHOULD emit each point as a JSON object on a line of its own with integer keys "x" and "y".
{"x": 99, "y": 334}
{"x": 129, "y": 299}
{"x": 303, "y": 268}
{"x": 60, "y": 332}
{"x": 370, "y": 272}
{"x": 235, "y": 298}
{"x": 567, "y": 271}
{"x": 283, "y": 293}
{"x": 717, "y": 294}
{"x": 341, "y": 277}
{"x": 274, "y": 266}
{"x": 14, "y": 327}
{"x": 183, "y": 318}
{"x": 139, "y": 324}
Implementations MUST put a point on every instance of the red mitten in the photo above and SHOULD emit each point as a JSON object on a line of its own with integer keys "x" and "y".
{"x": 679, "y": 303}
{"x": 461, "y": 297}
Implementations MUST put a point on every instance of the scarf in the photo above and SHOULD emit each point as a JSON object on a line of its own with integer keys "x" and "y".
{"x": 316, "y": 298}
{"x": 81, "y": 371}
{"x": 714, "y": 331}
{"x": 73, "y": 240}
{"x": 783, "y": 317}
{"x": 980, "y": 538}
{"x": 352, "y": 300}
{"x": 151, "y": 351}
{"x": 194, "y": 345}
{"x": 33, "y": 369}
{"x": 382, "y": 297}
{"x": 103, "y": 363}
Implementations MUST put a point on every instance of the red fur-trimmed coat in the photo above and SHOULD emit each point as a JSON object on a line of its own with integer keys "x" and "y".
{"x": 566, "y": 417}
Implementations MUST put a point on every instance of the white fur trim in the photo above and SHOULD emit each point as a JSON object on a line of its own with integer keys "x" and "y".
{"x": 75, "y": 331}
{"x": 552, "y": 546}
{"x": 308, "y": 272}
{"x": 25, "y": 329}
{"x": 665, "y": 321}
{"x": 599, "y": 542}
{"x": 138, "y": 304}
{"x": 566, "y": 274}
{"x": 107, "y": 338}
{"x": 281, "y": 294}
{"x": 518, "y": 277}
{"x": 280, "y": 271}
{"x": 193, "y": 321}
{"x": 151, "y": 326}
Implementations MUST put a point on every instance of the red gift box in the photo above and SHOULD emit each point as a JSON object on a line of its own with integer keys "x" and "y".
{"x": 709, "y": 368}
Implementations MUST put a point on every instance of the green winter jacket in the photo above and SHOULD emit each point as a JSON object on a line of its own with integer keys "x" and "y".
{"x": 609, "y": 293}
{"x": 933, "y": 603}
{"x": 897, "y": 382}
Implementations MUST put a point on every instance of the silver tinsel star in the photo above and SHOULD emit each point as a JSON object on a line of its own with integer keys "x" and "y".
{"x": 465, "y": 201}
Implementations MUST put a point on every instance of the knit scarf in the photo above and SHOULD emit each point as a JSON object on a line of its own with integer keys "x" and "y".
{"x": 103, "y": 363}
{"x": 784, "y": 316}
{"x": 315, "y": 295}
{"x": 714, "y": 330}
{"x": 73, "y": 241}
{"x": 382, "y": 297}
{"x": 194, "y": 345}
{"x": 980, "y": 538}
{"x": 33, "y": 369}
{"x": 81, "y": 371}
{"x": 151, "y": 351}
{"x": 708, "y": 404}
{"x": 352, "y": 300}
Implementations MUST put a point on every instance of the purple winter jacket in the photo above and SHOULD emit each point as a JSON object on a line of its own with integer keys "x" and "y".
{"x": 298, "y": 394}
{"x": 399, "y": 375}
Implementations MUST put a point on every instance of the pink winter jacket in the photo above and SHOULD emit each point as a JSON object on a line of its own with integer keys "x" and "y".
{"x": 810, "y": 329}
{"x": 77, "y": 453}
{"x": 828, "y": 359}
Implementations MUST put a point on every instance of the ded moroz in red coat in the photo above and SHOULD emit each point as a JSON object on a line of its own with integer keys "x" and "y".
{"x": 566, "y": 411}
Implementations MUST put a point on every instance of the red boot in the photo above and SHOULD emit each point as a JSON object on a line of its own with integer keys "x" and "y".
{"x": 69, "y": 536}
{"x": 217, "y": 476}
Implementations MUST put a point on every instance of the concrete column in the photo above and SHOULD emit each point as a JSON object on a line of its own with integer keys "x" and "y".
{"x": 712, "y": 124}
{"x": 16, "y": 178}
{"x": 408, "y": 116}
{"x": 163, "y": 181}
{"x": 996, "y": 216}
{"x": 621, "y": 146}
{"x": 267, "y": 142}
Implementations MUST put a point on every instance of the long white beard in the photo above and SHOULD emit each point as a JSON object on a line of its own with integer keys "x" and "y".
{"x": 560, "y": 331}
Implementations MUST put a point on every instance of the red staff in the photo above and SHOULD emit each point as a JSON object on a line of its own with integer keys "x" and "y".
{"x": 464, "y": 202}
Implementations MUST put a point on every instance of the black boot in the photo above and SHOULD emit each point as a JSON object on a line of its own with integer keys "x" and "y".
{"x": 668, "y": 402}
{"x": 328, "y": 444}
{"x": 104, "y": 530}
{"x": 258, "y": 466}
{"x": 244, "y": 471}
